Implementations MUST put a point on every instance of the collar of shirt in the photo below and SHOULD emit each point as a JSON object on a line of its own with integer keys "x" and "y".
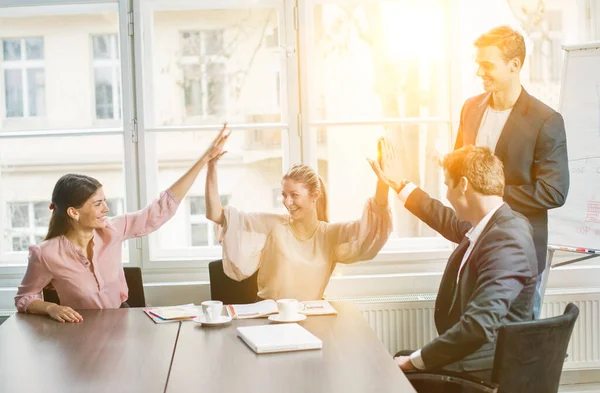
{"x": 475, "y": 232}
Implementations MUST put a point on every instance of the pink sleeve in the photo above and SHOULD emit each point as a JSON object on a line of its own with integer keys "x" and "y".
{"x": 148, "y": 219}
{"x": 37, "y": 276}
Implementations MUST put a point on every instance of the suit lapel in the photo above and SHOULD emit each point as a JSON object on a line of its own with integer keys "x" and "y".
{"x": 448, "y": 282}
{"x": 499, "y": 213}
{"x": 515, "y": 122}
{"x": 474, "y": 120}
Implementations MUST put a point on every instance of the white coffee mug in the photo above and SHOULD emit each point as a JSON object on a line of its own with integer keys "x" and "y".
{"x": 289, "y": 308}
{"x": 212, "y": 310}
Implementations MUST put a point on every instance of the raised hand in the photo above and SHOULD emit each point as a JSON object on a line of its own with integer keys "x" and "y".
{"x": 388, "y": 166}
{"x": 215, "y": 150}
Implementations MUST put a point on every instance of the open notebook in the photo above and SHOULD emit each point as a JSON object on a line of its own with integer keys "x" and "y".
{"x": 278, "y": 338}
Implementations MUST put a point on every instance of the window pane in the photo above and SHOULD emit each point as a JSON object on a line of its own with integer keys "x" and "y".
{"x": 19, "y": 215}
{"x": 210, "y": 65}
{"x": 11, "y": 49}
{"x": 34, "y": 48}
{"x": 103, "y": 80}
{"x": 246, "y": 174}
{"x": 197, "y": 205}
{"x": 13, "y": 85}
{"x": 192, "y": 82}
{"x": 101, "y": 46}
{"x": 33, "y": 179}
{"x": 56, "y": 58}
{"x": 216, "y": 88}
{"x": 419, "y": 145}
{"x": 115, "y": 207}
{"x": 37, "y": 92}
{"x": 364, "y": 66}
{"x": 41, "y": 211}
{"x": 20, "y": 243}
{"x": 199, "y": 235}
{"x": 213, "y": 42}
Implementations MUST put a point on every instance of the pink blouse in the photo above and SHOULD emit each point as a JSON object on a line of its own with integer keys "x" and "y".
{"x": 58, "y": 262}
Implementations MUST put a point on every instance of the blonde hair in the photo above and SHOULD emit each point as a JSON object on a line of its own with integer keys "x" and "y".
{"x": 483, "y": 170}
{"x": 314, "y": 184}
{"x": 510, "y": 42}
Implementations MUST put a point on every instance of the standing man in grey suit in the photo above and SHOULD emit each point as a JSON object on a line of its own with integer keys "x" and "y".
{"x": 527, "y": 135}
{"x": 490, "y": 277}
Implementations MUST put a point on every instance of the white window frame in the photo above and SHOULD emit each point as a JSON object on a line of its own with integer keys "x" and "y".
{"x": 298, "y": 142}
{"x": 114, "y": 64}
{"x": 24, "y": 65}
{"x": 14, "y": 263}
{"x": 155, "y": 261}
{"x": 396, "y": 249}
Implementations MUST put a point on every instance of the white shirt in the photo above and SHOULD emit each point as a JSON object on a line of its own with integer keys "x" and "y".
{"x": 473, "y": 235}
{"x": 491, "y": 126}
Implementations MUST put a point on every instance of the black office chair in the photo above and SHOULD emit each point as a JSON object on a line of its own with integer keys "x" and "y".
{"x": 228, "y": 290}
{"x": 530, "y": 355}
{"x": 133, "y": 276}
{"x": 529, "y": 359}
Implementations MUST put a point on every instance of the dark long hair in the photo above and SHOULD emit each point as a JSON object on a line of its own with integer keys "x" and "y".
{"x": 71, "y": 190}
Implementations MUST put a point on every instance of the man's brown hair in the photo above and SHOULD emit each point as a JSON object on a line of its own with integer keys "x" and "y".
{"x": 483, "y": 170}
{"x": 510, "y": 42}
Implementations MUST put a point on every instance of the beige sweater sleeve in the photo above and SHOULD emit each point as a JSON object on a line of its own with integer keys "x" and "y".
{"x": 362, "y": 239}
{"x": 243, "y": 237}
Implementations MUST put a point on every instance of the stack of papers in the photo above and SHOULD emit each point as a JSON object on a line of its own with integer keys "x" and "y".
{"x": 265, "y": 308}
{"x": 173, "y": 313}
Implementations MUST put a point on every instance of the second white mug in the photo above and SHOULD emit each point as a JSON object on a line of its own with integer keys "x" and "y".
{"x": 289, "y": 308}
{"x": 212, "y": 310}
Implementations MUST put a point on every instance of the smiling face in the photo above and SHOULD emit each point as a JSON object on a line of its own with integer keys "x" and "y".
{"x": 92, "y": 214}
{"x": 297, "y": 199}
{"x": 496, "y": 73}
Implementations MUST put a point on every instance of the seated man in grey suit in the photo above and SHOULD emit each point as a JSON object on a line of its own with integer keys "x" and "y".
{"x": 490, "y": 277}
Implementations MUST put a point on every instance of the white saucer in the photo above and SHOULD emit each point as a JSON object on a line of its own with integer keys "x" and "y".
{"x": 222, "y": 320}
{"x": 277, "y": 318}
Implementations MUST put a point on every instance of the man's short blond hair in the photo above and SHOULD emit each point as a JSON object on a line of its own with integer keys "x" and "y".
{"x": 480, "y": 166}
{"x": 510, "y": 42}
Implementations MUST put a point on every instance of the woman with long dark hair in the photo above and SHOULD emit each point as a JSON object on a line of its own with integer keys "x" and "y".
{"x": 81, "y": 254}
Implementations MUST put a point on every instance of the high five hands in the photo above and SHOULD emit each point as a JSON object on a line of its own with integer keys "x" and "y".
{"x": 388, "y": 166}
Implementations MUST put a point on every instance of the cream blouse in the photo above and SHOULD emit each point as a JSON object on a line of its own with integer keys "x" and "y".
{"x": 290, "y": 267}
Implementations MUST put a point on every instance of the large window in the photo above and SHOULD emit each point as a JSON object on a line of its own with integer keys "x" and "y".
{"x": 60, "y": 74}
{"x": 134, "y": 98}
{"x": 24, "y": 77}
{"x": 365, "y": 81}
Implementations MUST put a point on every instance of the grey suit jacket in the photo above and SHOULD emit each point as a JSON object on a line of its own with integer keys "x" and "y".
{"x": 533, "y": 149}
{"x": 496, "y": 284}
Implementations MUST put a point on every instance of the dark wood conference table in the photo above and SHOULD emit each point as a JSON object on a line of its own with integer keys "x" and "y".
{"x": 122, "y": 350}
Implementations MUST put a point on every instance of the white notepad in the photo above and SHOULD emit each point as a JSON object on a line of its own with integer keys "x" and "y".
{"x": 278, "y": 338}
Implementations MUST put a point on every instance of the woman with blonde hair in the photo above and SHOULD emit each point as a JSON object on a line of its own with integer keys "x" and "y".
{"x": 295, "y": 253}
